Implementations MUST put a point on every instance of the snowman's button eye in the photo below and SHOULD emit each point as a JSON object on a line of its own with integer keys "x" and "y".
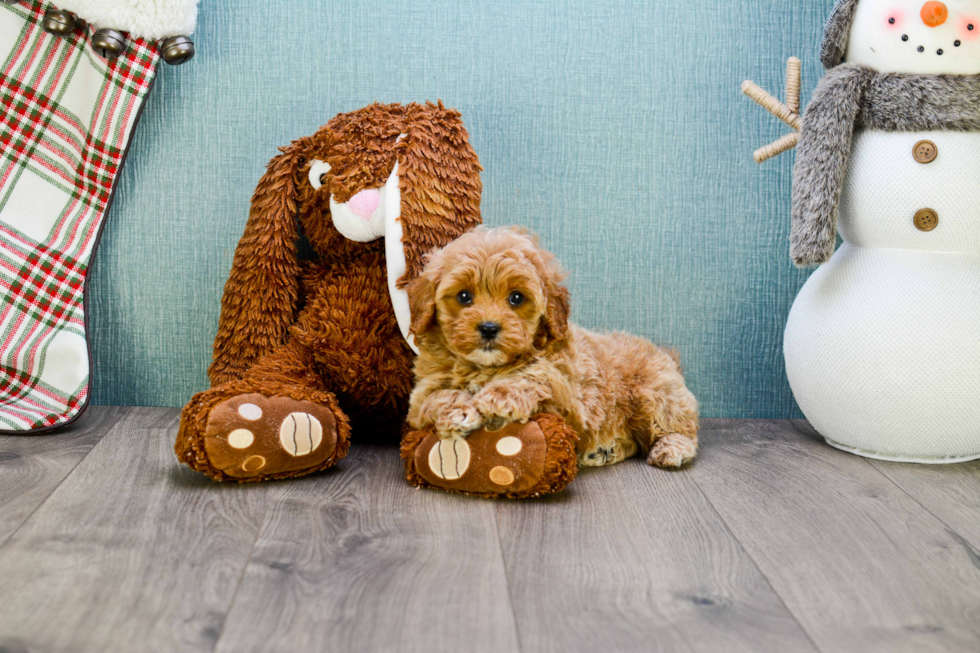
{"x": 317, "y": 172}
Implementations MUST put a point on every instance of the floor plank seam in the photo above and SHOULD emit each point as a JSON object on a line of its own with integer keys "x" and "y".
{"x": 241, "y": 576}
{"x": 755, "y": 564}
{"x": 61, "y": 482}
{"x": 953, "y": 531}
{"x": 503, "y": 564}
{"x": 873, "y": 464}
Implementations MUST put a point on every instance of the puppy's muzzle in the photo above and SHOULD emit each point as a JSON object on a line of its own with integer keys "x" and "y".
{"x": 489, "y": 330}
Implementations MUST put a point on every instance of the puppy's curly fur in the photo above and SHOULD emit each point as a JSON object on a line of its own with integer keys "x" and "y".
{"x": 490, "y": 317}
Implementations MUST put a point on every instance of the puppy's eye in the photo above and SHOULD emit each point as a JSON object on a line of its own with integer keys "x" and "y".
{"x": 515, "y": 299}
{"x": 465, "y": 297}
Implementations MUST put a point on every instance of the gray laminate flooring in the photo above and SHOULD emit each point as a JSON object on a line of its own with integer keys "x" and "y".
{"x": 771, "y": 541}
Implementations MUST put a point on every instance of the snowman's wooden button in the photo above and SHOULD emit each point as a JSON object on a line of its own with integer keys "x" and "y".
{"x": 925, "y": 151}
{"x": 926, "y": 220}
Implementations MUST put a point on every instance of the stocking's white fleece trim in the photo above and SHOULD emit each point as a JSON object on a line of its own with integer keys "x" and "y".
{"x": 151, "y": 19}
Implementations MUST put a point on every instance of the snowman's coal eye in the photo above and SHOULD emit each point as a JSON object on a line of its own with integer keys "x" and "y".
{"x": 891, "y": 21}
{"x": 956, "y": 43}
{"x": 939, "y": 52}
{"x": 970, "y": 27}
{"x": 905, "y": 37}
{"x": 921, "y": 49}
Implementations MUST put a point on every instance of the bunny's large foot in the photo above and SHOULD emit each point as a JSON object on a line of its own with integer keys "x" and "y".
{"x": 252, "y": 437}
{"x": 516, "y": 461}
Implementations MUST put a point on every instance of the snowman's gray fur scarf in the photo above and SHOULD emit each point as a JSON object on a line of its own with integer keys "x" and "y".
{"x": 836, "y": 32}
{"x": 851, "y": 96}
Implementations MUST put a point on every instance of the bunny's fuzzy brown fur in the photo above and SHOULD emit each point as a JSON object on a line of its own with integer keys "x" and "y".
{"x": 325, "y": 331}
{"x": 620, "y": 393}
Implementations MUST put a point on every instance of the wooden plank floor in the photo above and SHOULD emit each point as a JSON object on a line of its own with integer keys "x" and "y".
{"x": 771, "y": 541}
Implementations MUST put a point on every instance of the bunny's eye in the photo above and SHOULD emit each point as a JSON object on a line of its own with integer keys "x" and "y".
{"x": 318, "y": 173}
{"x": 464, "y": 297}
{"x": 515, "y": 299}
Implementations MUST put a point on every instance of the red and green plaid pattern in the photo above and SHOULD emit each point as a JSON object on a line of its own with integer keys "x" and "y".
{"x": 66, "y": 116}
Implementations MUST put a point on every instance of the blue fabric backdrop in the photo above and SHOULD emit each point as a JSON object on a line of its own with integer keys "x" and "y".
{"x": 616, "y": 130}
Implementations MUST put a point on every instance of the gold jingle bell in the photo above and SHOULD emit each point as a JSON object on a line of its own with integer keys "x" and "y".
{"x": 58, "y": 22}
{"x": 177, "y": 50}
{"x": 108, "y": 43}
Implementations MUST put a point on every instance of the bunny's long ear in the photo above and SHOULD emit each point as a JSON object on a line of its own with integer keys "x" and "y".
{"x": 439, "y": 180}
{"x": 262, "y": 291}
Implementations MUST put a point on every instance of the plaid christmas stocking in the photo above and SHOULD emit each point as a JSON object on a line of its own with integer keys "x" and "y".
{"x": 67, "y": 114}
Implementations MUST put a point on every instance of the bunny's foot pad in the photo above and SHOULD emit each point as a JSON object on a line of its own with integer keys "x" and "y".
{"x": 251, "y": 437}
{"x": 517, "y": 461}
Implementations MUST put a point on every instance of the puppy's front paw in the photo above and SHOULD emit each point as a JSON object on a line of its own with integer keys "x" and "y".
{"x": 500, "y": 402}
{"x": 451, "y": 412}
{"x": 458, "y": 421}
{"x": 672, "y": 451}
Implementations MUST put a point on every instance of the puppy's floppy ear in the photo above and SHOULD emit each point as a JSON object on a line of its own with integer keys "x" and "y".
{"x": 422, "y": 295}
{"x": 558, "y": 301}
{"x": 261, "y": 295}
{"x": 556, "y": 313}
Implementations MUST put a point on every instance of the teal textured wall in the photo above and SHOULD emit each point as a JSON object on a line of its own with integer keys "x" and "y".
{"x": 616, "y": 130}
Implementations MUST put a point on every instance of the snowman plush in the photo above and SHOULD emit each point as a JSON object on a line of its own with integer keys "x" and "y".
{"x": 882, "y": 344}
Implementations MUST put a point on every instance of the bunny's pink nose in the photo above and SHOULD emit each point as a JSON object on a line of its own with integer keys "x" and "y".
{"x": 365, "y": 203}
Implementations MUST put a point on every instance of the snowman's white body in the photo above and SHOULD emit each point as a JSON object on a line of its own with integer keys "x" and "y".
{"x": 883, "y": 342}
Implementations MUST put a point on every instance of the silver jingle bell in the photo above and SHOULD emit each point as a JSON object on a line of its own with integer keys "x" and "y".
{"x": 109, "y": 43}
{"x": 58, "y": 22}
{"x": 177, "y": 50}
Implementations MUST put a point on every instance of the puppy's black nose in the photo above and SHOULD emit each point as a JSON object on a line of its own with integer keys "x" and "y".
{"x": 488, "y": 330}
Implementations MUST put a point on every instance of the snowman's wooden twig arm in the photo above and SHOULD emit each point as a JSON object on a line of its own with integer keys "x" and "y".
{"x": 794, "y": 79}
{"x": 789, "y": 112}
{"x": 784, "y": 144}
{"x": 771, "y": 104}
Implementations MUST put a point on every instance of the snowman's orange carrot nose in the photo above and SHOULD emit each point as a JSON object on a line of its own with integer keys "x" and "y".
{"x": 934, "y": 13}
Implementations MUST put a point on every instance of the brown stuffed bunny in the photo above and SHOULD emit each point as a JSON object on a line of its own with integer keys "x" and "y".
{"x": 306, "y": 352}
